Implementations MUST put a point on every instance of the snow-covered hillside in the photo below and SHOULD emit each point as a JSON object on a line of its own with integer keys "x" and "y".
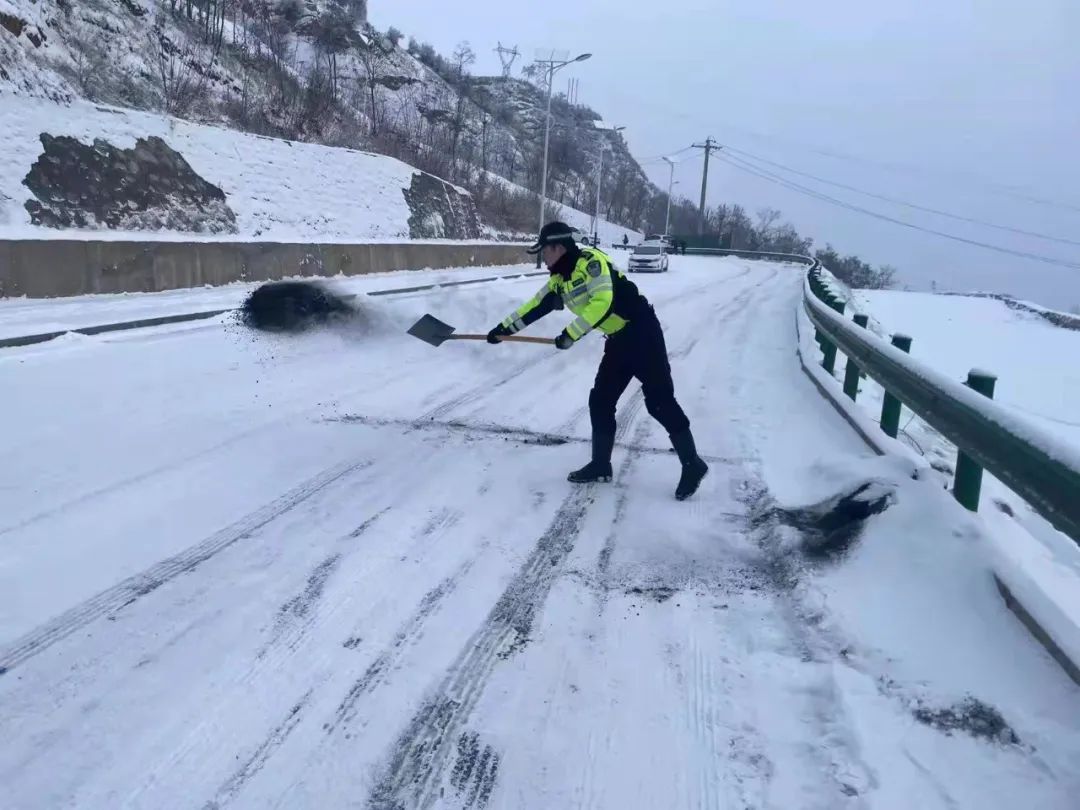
{"x": 113, "y": 174}
{"x": 275, "y": 188}
{"x": 290, "y": 74}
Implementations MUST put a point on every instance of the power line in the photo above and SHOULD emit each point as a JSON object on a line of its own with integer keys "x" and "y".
{"x": 750, "y": 157}
{"x": 766, "y": 175}
{"x": 907, "y": 168}
{"x": 657, "y": 158}
{"x": 682, "y": 113}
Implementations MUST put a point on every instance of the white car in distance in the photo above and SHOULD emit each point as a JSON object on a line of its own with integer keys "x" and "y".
{"x": 649, "y": 257}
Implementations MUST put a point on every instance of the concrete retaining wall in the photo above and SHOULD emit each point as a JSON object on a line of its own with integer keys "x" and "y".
{"x": 47, "y": 268}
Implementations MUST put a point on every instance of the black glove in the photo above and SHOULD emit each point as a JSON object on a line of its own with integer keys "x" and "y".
{"x": 496, "y": 333}
{"x": 563, "y": 341}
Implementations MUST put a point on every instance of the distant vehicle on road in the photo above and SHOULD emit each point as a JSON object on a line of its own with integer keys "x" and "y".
{"x": 669, "y": 244}
{"x": 649, "y": 257}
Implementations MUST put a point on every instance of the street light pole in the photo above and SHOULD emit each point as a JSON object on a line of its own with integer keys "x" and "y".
{"x": 547, "y": 137}
{"x": 552, "y": 67}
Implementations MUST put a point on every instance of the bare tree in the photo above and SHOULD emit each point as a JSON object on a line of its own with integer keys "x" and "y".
{"x": 535, "y": 74}
{"x": 275, "y": 24}
{"x": 463, "y": 59}
{"x": 766, "y": 219}
{"x": 182, "y": 70}
{"x": 375, "y": 54}
{"x": 333, "y": 33}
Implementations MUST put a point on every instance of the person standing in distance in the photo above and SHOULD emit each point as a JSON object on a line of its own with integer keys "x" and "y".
{"x": 584, "y": 281}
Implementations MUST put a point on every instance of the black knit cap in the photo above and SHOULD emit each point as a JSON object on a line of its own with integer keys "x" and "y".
{"x": 551, "y": 234}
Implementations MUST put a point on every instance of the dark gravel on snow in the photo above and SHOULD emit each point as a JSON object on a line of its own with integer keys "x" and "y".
{"x": 294, "y": 306}
{"x": 971, "y": 716}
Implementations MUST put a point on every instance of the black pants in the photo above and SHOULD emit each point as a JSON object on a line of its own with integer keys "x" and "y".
{"x": 637, "y": 351}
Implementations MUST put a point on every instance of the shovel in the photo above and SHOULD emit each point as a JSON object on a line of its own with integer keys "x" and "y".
{"x": 431, "y": 330}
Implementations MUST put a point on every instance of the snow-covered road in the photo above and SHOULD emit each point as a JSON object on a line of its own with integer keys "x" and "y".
{"x": 346, "y": 570}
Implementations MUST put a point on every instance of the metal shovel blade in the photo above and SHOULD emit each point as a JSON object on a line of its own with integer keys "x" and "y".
{"x": 431, "y": 330}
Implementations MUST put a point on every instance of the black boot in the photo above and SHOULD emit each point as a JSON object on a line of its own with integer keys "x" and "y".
{"x": 599, "y": 469}
{"x": 693, "y": 467}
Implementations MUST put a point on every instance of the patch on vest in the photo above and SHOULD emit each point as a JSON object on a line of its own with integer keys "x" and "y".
{"x": 594, "y": 269}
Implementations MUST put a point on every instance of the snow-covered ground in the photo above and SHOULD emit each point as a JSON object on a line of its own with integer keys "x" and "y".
{"x": 1034, "y": 360}
{"x": 345, "y": 569}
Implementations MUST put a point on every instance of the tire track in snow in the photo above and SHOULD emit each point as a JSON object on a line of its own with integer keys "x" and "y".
{"x": 739, "y": 768}
{"x": 734, "y": 768}
{"x": 419, "y": 758}
{"x": 134, "y": 588}
{"x": 474, "y": 771}
{"x": 833, "y": 753}
{"x": 404, "y": 639}
{"x": 298, "y": 617}
{"x": 259, "y": 757}
{"x": 295, "y": 619}
{"x": 142, "y": 476}
{"x": 421, "y": 755}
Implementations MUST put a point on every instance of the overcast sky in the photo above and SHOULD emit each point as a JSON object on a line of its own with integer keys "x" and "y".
{"x": 938, "y": 103}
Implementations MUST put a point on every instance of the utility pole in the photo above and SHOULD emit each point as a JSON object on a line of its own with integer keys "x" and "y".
{"x": 708, "y": 146}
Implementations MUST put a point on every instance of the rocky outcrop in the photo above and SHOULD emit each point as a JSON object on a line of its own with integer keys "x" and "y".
{"x": 439, "y": 210}
{"x": 147, "y": 188}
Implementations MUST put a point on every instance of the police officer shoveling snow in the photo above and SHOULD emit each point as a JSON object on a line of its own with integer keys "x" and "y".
{"x": 584, "y": 281}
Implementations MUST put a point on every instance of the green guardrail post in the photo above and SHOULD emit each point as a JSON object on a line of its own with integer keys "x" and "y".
{"x": 828, "y": 348}
{"x": 967, "y": 485}
{"x": 851, "y": 371}
{"x": 890, "y": 406}
{"x": 815, "y": 288}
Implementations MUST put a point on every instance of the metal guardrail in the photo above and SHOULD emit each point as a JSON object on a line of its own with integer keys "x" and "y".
{"x": 1022, "y": 455}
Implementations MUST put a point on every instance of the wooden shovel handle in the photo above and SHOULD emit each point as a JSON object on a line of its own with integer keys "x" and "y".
{"x": 518, "y": 338}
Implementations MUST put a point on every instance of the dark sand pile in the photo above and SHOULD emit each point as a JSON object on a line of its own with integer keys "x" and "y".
{"x": 295, "y": 306}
